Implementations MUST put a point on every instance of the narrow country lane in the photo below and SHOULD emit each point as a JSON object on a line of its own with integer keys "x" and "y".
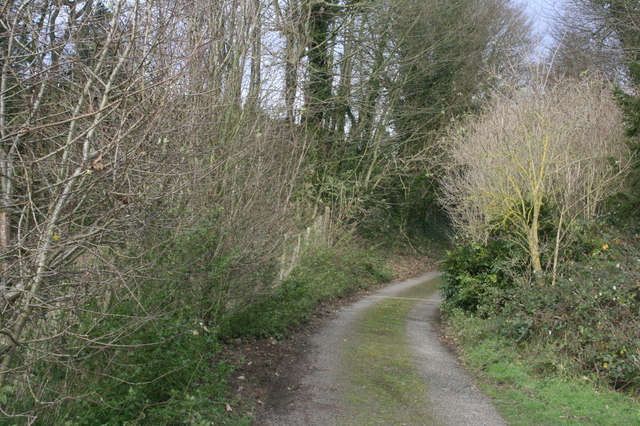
{"x": 380, "y": 361}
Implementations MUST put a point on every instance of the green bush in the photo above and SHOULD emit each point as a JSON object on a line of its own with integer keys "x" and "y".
{"x": 291, "y": 303}
{"x": 589, "y": 317}
{"x": 145, "y": 353}
{"x": 159, "y": 370}
{"x": 165, "y": 382}
{"x": 477, "y": 276}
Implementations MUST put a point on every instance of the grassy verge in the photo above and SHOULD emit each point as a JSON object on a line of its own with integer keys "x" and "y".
{"x": 530, "y": 388}
{"x": 323, "y": 274}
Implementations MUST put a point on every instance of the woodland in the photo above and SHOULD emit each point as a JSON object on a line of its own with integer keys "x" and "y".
{"x": 177, "y": 175}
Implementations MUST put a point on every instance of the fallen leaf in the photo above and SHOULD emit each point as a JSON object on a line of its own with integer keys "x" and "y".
{"x": 97, "y": 164}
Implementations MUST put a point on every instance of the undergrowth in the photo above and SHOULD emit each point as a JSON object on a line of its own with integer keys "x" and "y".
{"x": 155, "y": 357}
{"x": 531, "y": 384}
{"x": 549, "y": 347}
{"x": 324, "y": 273}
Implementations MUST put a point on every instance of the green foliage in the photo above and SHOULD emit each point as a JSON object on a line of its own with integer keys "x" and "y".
{"x": 168, "y": 381}
{"x": 190, "y": 272}
{"x": 586, "y": 241}
{"x": 534, "y": 386}
{"x": 477, "y": 276}
{"x": 589, "y": 317}
{"x": 159, "y": 372}
{"x": 630, "y": 105}
{"x": 152, "y": 357}
{"x": 629, "y": 202}
{"x": 404, "y": 207}
{"x": 323, "y": 274}
{"x": 286, "y": 307}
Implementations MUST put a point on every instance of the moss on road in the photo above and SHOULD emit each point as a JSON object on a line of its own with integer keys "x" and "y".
{"x": 380, "y": 361}
{"x": 383, "y": 385}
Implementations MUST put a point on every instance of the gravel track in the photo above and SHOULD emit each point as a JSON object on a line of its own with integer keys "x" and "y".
{"x": 318, "y": 380}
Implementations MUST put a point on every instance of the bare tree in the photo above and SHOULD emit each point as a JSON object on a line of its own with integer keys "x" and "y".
{"x": 559, "y": 148}
{"x": 125, "y": 124}
{"x": 584, "y": 42}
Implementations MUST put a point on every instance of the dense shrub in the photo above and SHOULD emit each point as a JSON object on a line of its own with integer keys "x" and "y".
{"x": 162, "y": 375}
{"x": 590, "y": 317}
{"x": 289, "y": 304}
{"x": 477, "y": 276}
{"x": 142, "y": 354}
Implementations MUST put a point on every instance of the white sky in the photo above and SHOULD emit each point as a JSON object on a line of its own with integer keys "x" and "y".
{"x": 542, "y": 13}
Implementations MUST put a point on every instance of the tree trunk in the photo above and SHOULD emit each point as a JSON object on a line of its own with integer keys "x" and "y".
{"x": 534, "y": 241}
{"x": 256, "y": 54}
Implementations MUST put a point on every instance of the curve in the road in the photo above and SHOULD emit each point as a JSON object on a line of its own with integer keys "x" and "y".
{"x": 380, "y": 361}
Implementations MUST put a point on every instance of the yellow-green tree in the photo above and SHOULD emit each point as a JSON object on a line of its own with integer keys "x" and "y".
{"x": 554, "y": 148}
